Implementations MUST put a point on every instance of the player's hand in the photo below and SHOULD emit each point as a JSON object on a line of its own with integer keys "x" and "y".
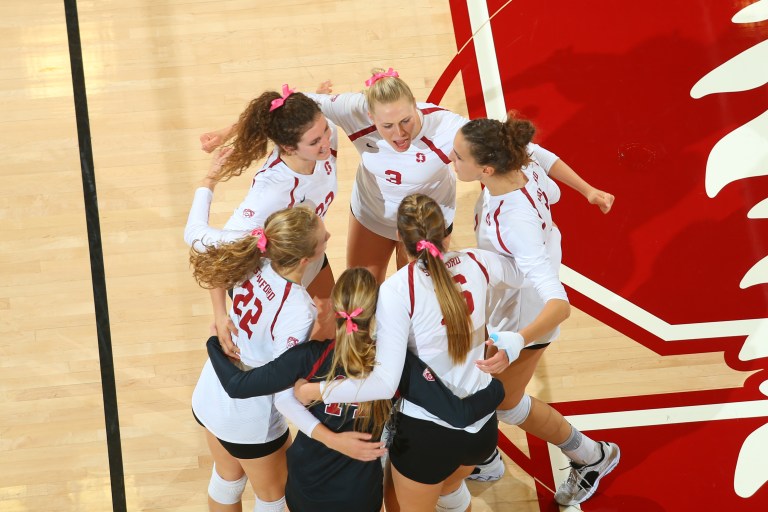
{"x": 325, "y": 325}
{"x": 602, "y": 200}
{"x": 214, "y": 169}
{"x": 211, "y": 140}
{"x": 325, "y": 87}
{"x": 509, "y": 345}
{"x": 225, "y": 328}
{"x": 307, "y": 392}
{"x": 357, "y": 445}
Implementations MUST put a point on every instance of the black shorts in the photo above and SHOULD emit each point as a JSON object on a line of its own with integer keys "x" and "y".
{"x": 251, "y": 451}
{"x": 428, "y": 453}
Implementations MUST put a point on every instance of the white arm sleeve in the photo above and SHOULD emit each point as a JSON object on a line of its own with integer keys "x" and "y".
{"x": 197, "y": 232}
{"x": 295, "y": 412}
{"x": 545, "y": 157}
{"x": 502, "y": 271}
{"x": 261, "y": 201}
{"x": 392, "y": 327}
{"x": 530, "y": 254}
{"x": 347, "y": 110}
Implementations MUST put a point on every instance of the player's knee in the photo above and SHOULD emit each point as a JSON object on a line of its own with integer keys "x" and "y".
{"x": 517, "y": 414}
{"x": 269, "y": 506}
{"x": 457, "y": 501}
{"x": 224, "y": 491}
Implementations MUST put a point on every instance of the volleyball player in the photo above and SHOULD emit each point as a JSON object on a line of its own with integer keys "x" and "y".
{"x": 514, "y": 218}
{"x": 272, "y": 311}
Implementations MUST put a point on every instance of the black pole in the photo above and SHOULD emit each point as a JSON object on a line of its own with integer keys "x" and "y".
{"x": 104, "y": 337}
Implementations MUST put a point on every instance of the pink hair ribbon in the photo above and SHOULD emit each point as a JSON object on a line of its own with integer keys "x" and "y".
{"x": 351, "y": 326}
{"x": 262, "y": 243}
{"x": 279, "y": 102}
{"x": 432, "y": 248}
{"x": 378, "y": 76}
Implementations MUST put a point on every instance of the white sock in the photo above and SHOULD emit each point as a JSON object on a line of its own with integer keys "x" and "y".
{"x": 580, "y": 448}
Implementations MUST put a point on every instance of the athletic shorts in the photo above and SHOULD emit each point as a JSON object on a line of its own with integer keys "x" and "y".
{"x": 428, "y": 453}
{"x": 251, "y": 451}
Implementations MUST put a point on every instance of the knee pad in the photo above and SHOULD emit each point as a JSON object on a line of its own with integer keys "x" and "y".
{"x": 269, "y": 506}
{"x": 226, "y": 492}
{"x": 457, "y": 501}
{"x": 517, "y": 414}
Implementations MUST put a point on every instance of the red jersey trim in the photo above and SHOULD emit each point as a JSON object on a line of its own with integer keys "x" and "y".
{"x": 319, "y": 362}
{"x": 530, "y": 200}
{"x": 279, "y": 309}
{"x": 427, "y": 111}
{"x": 485, "y": 270}
{"x": 365, "y": 131}
{"x": 498, "y": 231}
{"x": 334, "y": 153}
{"x": 295, "y": 186}
{"x": 437, "y": 150}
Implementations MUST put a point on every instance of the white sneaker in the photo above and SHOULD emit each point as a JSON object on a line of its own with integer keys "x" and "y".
{"x": 583, "y": 479}
{"x": 490, "y": 470}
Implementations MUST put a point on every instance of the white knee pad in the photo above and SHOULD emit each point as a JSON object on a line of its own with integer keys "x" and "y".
{"x": 269, "y": 506}
{"x": 517, "y": 414}
{"x": 457, "y": 501}
{"x": 226, "y": 492}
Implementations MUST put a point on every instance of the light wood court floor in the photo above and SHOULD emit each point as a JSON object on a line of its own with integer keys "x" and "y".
{"x": 158, "y": 74}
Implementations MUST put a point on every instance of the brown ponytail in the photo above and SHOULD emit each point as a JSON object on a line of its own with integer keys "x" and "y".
{"x": 257, "y": 125}
{"x": 503, "y": 146}
{"x": 420, "y": 218}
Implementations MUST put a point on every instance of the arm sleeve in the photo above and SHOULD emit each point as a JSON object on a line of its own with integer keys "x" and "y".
{"x": 197, "y": 232}
{"x": 295, "y": 412}
{"x": 271, "y": 378}
{"x": 437, "y": 399}
{"x": 530, "y": 254}
{"x": 545, "y": 157}
{"x": 347, "y": 110}
{"x": 262, "y": 199}
{"x": 393, "y": 325}
{"x": 502, "y": 272}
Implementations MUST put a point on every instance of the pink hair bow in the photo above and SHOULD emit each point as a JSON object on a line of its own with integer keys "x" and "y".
{"x": 279, "y": 102}
{"x": 262, "y": 243}
{"x": 351, "y": 326}
{"x": 432, "y": 248}
{"x": 378, "y": 76}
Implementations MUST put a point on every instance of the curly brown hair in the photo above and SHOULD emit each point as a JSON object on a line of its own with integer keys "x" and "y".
{"x": 503, "y": 146}
{"x": 420, "y": 218}
{"x": 284, "y": 126}
{"x": 291, "y": 235}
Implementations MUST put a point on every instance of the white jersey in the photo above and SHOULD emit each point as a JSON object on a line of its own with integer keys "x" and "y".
{"x": 386, "y": 176}
{"x": 408, "y": 317}
{"x": 271, "y": 314}
{"x": 519, "y": 224}
{"x": 275, "y": 187}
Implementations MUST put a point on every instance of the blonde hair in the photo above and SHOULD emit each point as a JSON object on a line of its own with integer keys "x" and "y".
{"x": 258, "y": 125}
{"x": 355, "y": 352}
{"x": 419, "y": 218}
{"x": 291, "y": 236}
{"x": 387, "y": 90}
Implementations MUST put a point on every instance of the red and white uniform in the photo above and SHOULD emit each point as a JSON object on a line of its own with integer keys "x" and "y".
{"x": 385, "y": 176}
{"x": 272, "y": 314}
{"x": 275, "y": 187}
{"x": 408, "y": 317}
{"x": 519, "y": 224}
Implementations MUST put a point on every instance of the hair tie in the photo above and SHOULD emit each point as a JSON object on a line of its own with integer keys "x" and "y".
{"x": 378, "y": 76}
{"x": 279, "y": 102}
{"x": 262, "y": 243}
{"x": 351, "y": 326}
{"x": 432, "y": 248}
